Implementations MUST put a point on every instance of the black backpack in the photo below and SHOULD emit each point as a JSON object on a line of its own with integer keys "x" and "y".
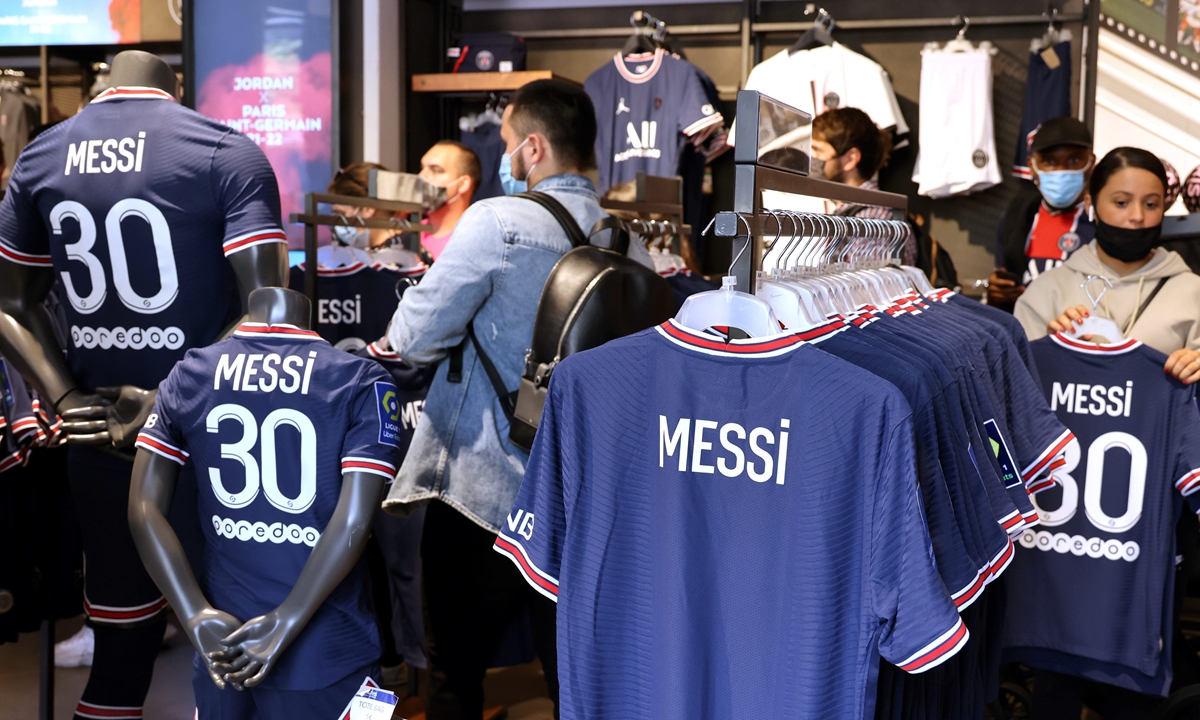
{"x": 591, "y": 296}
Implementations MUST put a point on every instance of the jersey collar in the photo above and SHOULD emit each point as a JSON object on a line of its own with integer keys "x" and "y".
{"x": 133, "y": 92}
{"x": 639, "y": 77}
{"x": 703, "y": 342}
{"x": 1096, "y": 348}
{"x": 263, "y": 330}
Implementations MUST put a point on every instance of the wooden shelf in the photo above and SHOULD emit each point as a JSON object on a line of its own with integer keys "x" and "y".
{"x": 478, "y": 82}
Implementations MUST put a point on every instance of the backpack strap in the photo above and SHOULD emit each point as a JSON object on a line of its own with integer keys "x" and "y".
{"x": 564, "y": 218}
{"x": 619, "y": 238}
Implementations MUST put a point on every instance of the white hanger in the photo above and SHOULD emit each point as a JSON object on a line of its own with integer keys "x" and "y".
{"x": 728, "y": 307}
{"x": 1094, "y": 324}
{"x": 792, "y": 307}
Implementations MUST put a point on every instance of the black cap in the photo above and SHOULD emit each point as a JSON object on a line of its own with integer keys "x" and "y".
{"x": 1060, "y": 131}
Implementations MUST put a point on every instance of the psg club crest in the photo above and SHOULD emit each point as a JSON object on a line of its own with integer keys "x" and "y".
{"x": 387, "y": 404}
{"x": 484, "y": 60}
{"x": 1069, "y": 242}
{"x": 980, "y": 158}
{"x": 832, "y": 100}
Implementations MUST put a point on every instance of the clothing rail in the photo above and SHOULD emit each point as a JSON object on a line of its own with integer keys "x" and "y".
{"x": 654, "y": 195}
{"x": 310, "y": 218}
{"x": 802, "y": 26}
{"x": 753, "y": 178}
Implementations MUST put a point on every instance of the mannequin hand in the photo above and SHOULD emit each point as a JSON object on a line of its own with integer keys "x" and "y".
{"x": 1184, "y": 366}
{"x": 83, "y": 418}
{"x": 1070, "y": 317}
{"x": 254, "y": 649}
{"x": 1003, "y": 290}
{"x": 206, "y": 631}
{"x": 114, "y": 417}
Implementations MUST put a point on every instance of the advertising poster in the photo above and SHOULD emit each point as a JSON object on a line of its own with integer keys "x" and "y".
{"x": 269, "y": 76}
{"x": 70, "y": 22}
{"x": 1147, "y": 17}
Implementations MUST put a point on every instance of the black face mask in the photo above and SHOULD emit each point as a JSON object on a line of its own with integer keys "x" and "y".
{"x": 1127, "y": 244}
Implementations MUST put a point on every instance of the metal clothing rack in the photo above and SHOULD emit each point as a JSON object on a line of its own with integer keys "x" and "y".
{"x": 311, "y": 219}
{"x": 754, "y": 176}
{"x": 656, "y": 196}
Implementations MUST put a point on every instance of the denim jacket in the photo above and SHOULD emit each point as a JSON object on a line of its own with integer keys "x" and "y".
{"x": 491, "y": 272}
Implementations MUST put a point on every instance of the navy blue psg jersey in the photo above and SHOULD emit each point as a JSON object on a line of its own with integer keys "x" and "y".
{"x": 135, "y": 202}
{"x": 355, "y": 303}
{"x": 272, "y": 417}
{"x": 747, "y": 551}
{"x": 1091, "y": 589}
{"x": 412, "y": 385}
{"x": 647, "y": 108}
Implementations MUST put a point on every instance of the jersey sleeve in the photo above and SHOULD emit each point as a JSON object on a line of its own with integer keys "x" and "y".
{"x": 163, "y": 432}
{"x": 372, "y": 442}
{"x": 246, "y": 191}
{"x": 534, "y": 532}
{"x": 696, "y": 114}
{"x": 1187, "y": 449}
{"x": 922, "y": 628}
{"x": 23, "y": 236}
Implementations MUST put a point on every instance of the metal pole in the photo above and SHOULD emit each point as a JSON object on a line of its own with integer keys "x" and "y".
{"x": 44, "y": 55}
{"x": 46, "y": 667}
{"x": 1091, "y": 56}
{"x": 310, "y": 257}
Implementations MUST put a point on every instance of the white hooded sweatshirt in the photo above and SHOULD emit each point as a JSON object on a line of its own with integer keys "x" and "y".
{"x": 1171, "y": 321}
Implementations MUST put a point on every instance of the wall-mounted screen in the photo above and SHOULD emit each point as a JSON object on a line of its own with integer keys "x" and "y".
{"x": 265, "y": 68}
{"x": 70, "y": 22}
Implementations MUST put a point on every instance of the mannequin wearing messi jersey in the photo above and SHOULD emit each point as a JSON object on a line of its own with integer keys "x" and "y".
{"x": 111, "y": 416}
{"x": 87, "y": 199}
{"x": 236, "y": 653}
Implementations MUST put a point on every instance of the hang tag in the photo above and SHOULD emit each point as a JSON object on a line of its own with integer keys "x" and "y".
{"x": 1051, "y": 58}
{"x": 373, "y": 704}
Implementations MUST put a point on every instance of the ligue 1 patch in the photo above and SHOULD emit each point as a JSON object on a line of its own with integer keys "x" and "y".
{"x": 387, "y": 404}
{"x": 1069, "y": 242}
{"x": 484, "y": 60}
{"x": 832, "y": 100}
{"x": 980, "y": 158}
{"x": 1012, "y": 478}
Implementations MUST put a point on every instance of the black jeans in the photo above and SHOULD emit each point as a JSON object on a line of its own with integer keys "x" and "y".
{"x": 471, "y": 594}
{"x": 1061, "y": 697}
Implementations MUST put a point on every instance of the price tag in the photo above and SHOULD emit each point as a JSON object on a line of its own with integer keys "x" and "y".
{"x": 1051, "y": 58}
{"x": 372, "y": 704}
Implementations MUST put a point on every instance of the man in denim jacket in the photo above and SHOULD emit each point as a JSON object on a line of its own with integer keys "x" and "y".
{"x": 491, "y": 273}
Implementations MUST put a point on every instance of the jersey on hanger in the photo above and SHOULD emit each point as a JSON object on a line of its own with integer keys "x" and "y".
{"x": 1047, "y": 96}
{"x": 1090, "y": 592}
{"x": 355, "y": 303}
{"x": 272, "y": 417}
{"x": 134, "y": 203}
{"x": 647, "y": 108}
{"x": 706, "y": 549}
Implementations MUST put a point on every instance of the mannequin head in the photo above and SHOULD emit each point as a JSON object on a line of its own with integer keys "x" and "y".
{"x": 141, "y": 69}
{"x": 276, "y": 305}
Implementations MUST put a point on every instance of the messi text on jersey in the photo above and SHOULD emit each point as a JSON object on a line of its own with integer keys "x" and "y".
{"x": 731, "y": 460}
{"x": 265, "y": 372}
{"x": 331, "y": 312}
{"x": 106, "y": 156}
{"x": 1082, "y": 399}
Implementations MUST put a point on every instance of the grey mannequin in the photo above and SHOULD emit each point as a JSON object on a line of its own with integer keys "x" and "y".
{"x": 112, "y": 417}
{"x": 236, "y": 653}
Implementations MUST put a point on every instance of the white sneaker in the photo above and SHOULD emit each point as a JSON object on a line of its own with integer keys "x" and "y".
{"x": 76, "y": 651}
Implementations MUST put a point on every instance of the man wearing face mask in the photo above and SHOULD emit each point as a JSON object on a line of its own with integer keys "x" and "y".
{"x": 1039, "y": 231}
{"x": 461, "y": 464}
{"x": 354, "y": 181}
{"x": 455, "y": 167}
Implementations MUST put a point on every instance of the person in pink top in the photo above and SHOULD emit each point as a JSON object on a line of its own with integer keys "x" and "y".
{"x": 451, "y": 165}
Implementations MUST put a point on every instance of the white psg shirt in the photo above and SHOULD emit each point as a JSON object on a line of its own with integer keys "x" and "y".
{"x": 958, "y": 144}
{"x": 826, "y": 78}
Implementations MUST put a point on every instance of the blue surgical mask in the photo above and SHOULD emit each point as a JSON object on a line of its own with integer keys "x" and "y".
{"x": 354, "y": 237}
{"x": 511, "y": 185}
{"x": 1060, "y": 188}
